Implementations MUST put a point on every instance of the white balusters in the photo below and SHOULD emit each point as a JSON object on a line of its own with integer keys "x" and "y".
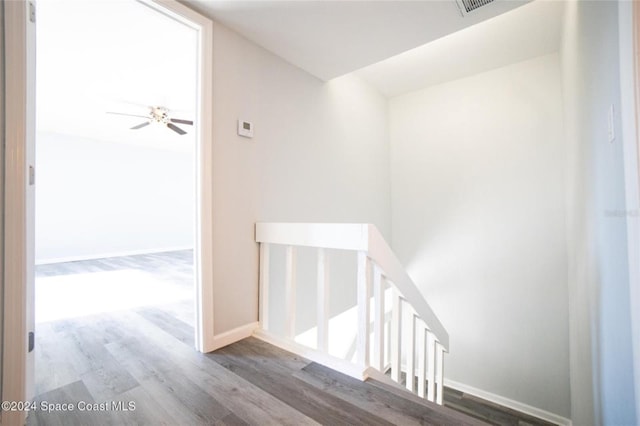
{"x": 395, "y": 335}
{"x": 290, "y": 292}
{"x": 323, "y": 301}
{"x": 439, "y": 372}
{"x": 431, "y": 370}
{"x": 422, "y": 359}
{"x": 387, "y": 345}
{"x": 362, "y": 339}
{"x": 424, "y": 355}
{"x": 264, "y": 286}
{"x": 411, "y": 352}
{"x": 405, "y": 340}
{"x": 378, "y": 319}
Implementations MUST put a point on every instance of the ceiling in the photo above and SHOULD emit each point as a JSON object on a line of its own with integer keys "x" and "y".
{"x": 526, "y": 32}
{"x": 99, "y": 56}
{"x": 117, "y": 56}
{"x": 332, "y": 38}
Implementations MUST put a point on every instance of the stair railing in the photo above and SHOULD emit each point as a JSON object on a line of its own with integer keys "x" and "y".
{"x": 416, "y": 340}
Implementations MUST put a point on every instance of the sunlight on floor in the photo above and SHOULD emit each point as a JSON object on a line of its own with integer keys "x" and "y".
{"x": 69, "y": 296}
{"x": 343, "y": 330}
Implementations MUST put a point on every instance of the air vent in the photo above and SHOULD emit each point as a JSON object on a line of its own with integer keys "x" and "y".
{"x": 467, "y": 6}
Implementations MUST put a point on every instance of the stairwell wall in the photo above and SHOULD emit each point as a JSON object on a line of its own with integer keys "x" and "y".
{"x": 478, "y": 219}
{"x": 319, "y": 154}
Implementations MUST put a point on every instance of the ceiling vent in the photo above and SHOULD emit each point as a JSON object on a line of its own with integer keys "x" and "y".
{"x": 467, "y": 6}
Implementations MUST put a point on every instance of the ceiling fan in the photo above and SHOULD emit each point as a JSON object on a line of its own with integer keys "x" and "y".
{"x": 160, "y": 115}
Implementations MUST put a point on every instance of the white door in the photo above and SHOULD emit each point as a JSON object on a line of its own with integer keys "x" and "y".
{"x": 18, "y": 303}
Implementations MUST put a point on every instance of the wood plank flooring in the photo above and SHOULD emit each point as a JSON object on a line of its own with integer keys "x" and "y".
{"x": 145, "y": 357}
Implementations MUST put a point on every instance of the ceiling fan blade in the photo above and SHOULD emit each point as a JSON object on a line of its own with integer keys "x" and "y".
{"x": 139, "y": 126}
{"x": 128, "y": 115}
{"x": 176, "y": 129}
{"x": 181, "y": 121}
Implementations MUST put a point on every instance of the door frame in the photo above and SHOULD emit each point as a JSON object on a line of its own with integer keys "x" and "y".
{"x": 629, "y": 45}
{"x": 19, "y": 101}
{"x": 635, "y": 284}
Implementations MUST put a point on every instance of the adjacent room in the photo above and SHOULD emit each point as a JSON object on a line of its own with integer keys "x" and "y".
{"x": 116, "y": 175}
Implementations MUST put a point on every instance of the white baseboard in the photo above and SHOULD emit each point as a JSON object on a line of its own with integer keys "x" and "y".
{"x": 48, "y": 261}
{"x": 509, "y": 403}
{"x": 231, "y": 336}
{"x": 340, "y": 365}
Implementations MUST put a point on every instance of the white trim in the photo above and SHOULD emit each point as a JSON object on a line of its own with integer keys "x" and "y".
{"x": 340, "y": 365}
{"x": 341, "y": 236}
{"x": 509, "y": 403}
{"x": 232, "y": 336}
{"x": 14, "y": 359}
{"x": 108, "y": 255}
{"x": 290, "y": 292}
{"x": 627, "y": 18}
{"x": 263, "y": 306}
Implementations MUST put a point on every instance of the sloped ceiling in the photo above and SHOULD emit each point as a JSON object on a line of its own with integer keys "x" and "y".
{"x": 332, "y": 38}
{"x": 526, "y": 32}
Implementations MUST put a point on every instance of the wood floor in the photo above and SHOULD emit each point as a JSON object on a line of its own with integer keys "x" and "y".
{"x": 138, "y": 367}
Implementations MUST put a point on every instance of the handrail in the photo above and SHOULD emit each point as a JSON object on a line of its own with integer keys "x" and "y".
{"x": 391, "y": 268}
{"x": 358, "y": 237}
{"x": 343, "y": 236}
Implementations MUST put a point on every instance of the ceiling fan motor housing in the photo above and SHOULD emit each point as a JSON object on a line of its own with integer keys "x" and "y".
{"x": 160, "y": 115}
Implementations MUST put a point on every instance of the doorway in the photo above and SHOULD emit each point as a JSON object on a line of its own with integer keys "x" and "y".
{"x": 20, "y": 168}
{"x": 115, "y": 199}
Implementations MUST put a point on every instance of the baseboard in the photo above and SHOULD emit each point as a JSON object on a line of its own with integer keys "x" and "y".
{"x": 110, "y": 254}
{"x": 231, "y": 336}
{"x": 509, "y": 403}
{"x": 340, "y": 365}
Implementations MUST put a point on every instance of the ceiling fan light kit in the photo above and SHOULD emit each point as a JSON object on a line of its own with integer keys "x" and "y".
{"x": 159, "y": 115}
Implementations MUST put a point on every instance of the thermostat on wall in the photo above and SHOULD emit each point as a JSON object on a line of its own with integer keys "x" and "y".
{"x": 245, "y": 128}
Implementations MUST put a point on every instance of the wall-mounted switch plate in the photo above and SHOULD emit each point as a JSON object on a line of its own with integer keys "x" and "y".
{"x": 245, "y": 128}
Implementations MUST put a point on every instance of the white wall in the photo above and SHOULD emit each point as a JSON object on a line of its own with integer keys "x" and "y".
{"x": 319, "y": 154}
{"x": 478, "y": 219}
{"x": 602, "y": 388}
{"x": 96, "y": 199}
